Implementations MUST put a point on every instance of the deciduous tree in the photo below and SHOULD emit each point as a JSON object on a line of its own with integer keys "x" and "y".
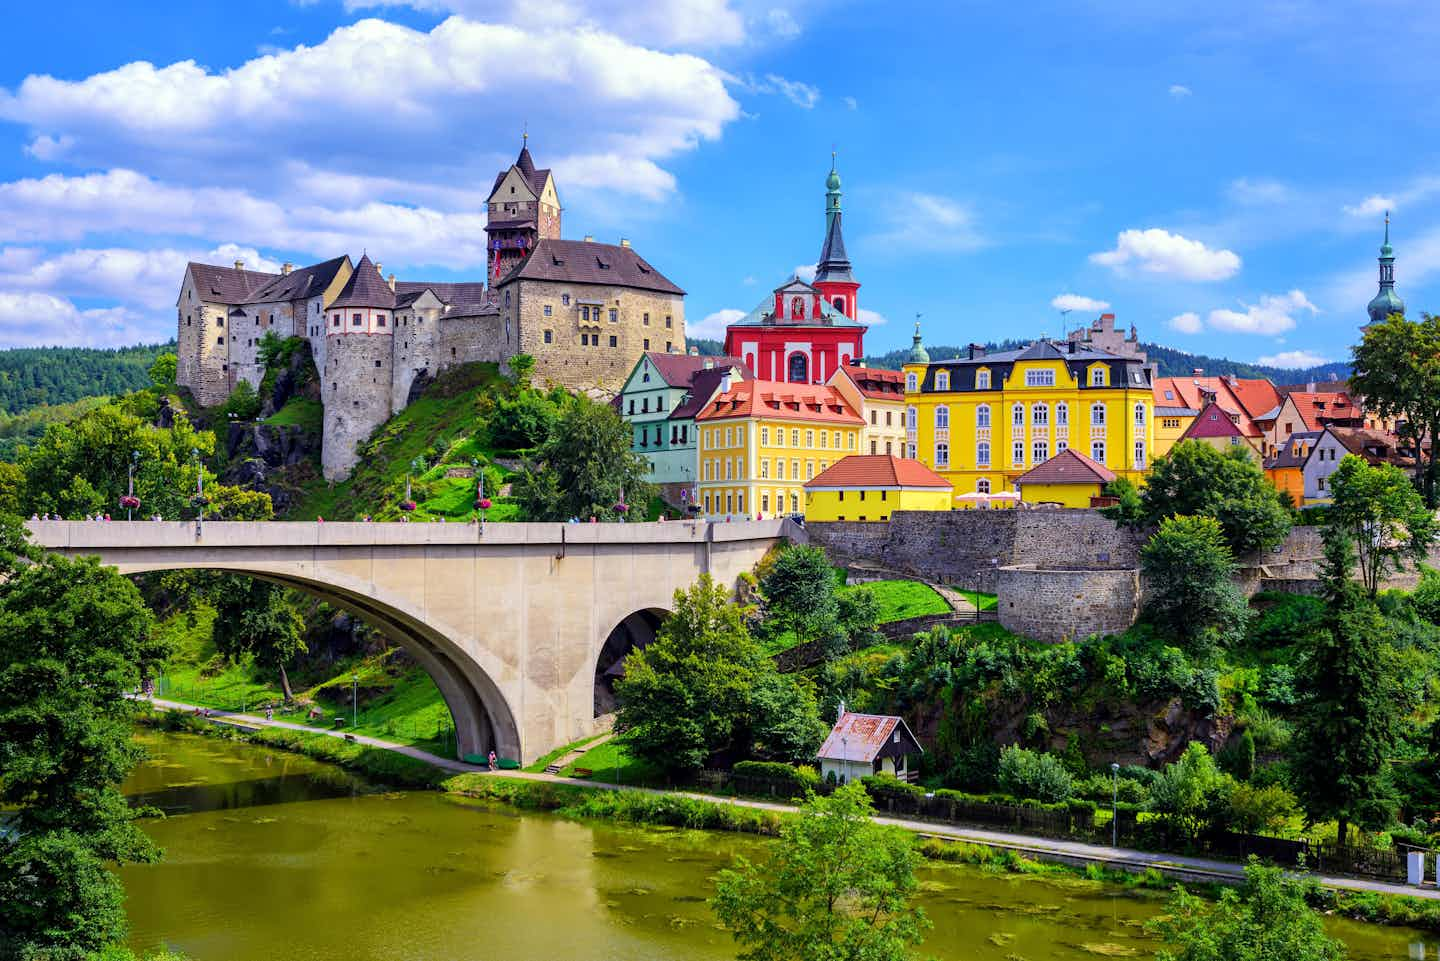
{"x": 837, "y": 887}
{"x": 1396, "y": 369}
{"x": 1195, "y": 479}
{"x": 255, "y": 618}
{"x": 582, "y": 468}
{"x": 1378, "y": 511}
{"x": 1190, "y": 593}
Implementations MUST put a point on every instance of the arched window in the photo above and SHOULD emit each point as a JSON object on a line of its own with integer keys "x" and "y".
{"x": 982, "y": 454}
{"x": 912, "y": 383}
{"x": 942, "y": 380}
{"x": 839, "y": 303}
{"x": 1062, "y": 415}
{"x": 1040, "y": 451}
{"x": 982, "y": 415}
{"x": 982, "y": 380}
{"x": 942, "y": 455}
{"x": 982, "y": 486}
{"x": 942, "y": 418}
{"x": 799, "y": 372}
{"x": 797, "y": 308}
{"x": 1040, "y": 415}
{"x": 1097, "y": 451}
{"x": 1140, "y": 416}
{"x": 1017, "y": 415}
{"x": 1140, "y": 455}
{"x": 1097, "y": 415}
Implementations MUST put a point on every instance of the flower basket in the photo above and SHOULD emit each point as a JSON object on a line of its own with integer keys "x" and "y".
{"x": 199, "y": 500}
{"x": 483, "y": 503}
{"x": 621, "y": 508}
{"x": 407, "y": 506}
{"x": 130, "y": 502}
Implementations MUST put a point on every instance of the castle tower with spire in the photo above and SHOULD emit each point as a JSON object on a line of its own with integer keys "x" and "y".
{"x": 833, "y": 276}
{"x": 522, "y": 210}
{"x": 1386, "y": 301}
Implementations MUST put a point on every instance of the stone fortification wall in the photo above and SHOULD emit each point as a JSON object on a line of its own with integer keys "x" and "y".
{"x": 465, "y": 340}
{"x": 417, "y": 351}
{"x": 1058, "y": 604}
{"x": 355, "y": 385}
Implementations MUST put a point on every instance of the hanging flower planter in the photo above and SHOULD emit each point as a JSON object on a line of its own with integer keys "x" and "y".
{"x": 407, "y": 506}
{"x": 199, "y": 500}
{"x": 621, "y": 508}
{"x": 483, "y": 504}
{"x": 130, "y": 502}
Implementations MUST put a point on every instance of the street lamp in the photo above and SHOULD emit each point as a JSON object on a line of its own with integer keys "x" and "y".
{"x": 129, "y": 499}
{"x": 354, "y": 700}
{"x": 1114, "y": 804}
{"x": 199, "y": 492}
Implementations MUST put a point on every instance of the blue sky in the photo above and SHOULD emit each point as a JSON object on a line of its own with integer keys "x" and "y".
{"x": 1214, "y": 172}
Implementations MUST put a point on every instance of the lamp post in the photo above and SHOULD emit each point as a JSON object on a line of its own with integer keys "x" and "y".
{"x": 354, "y": 700}
{"x": 199, "y": 492}
{"x": 130, "y": 484}
{"x": 844, "y": 759}
{"x": 1114, "y": 804}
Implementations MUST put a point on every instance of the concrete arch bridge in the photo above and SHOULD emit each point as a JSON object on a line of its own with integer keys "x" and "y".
{"x": 521, "y": 626}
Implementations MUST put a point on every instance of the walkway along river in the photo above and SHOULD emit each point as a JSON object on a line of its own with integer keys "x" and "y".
{"x": 271, "y": 855}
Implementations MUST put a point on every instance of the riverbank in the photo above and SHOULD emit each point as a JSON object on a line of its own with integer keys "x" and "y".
{"x": 406, "y": 766}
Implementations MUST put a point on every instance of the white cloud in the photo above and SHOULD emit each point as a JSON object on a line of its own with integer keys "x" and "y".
{"x": 802, "y": 95}
{"x": 1293, "y": 359}
{"x": 1078, "y": 302}
{"x": 781, "y": 24}
{"x": 1179, "y": 91}
{"x": 805, "y": 272}
{"x": 1187, "y": 323}
{"x": 148, "y": 278}
{"x": 1371, "y": 206}
{"x": 932, "y": 223}
{"x": 43, "y": 320}
{"x": 1258, "y": 192}
{"x": 1157, "y": 251}
{"x": 1275, "y": 314}
{"x": 712, "y": 326}
{"x": 871, "y": 317}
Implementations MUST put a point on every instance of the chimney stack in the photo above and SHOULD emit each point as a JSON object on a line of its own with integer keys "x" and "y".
{"x": 1310, "y": 387}
{"x": 285, "y": 268}
{"x": 694, "y": 351}
{"x": 1197, "y": 372}
{"x": 624, "y": 242}
{"x": 725, "y": 383}
{"x": 976, "y": 351}
{"x": 709, "y": 361}
{"x": 379, "y": 268}
{"x": 589, "y": 238}
{"x": 239, "y": 265}
{"x": 392, "y": 283}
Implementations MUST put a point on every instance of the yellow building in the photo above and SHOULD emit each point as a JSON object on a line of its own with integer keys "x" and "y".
{"x": 1069, "y": 479}
{"x": 982, "y": 420}
{"x": 868, "y": 487}
{"x": 761, "y": 440}
{"x": 878, "y": 396}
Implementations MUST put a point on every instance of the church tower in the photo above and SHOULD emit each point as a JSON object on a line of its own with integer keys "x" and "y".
{"x": 1386, "y": 301}
{"x": 833, "y": 276}
{"x": 522, "y": 210}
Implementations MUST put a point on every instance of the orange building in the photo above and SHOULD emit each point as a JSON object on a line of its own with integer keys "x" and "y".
{"x": 1286, "y": 470}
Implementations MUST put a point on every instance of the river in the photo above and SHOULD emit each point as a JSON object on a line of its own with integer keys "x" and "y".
{"x": 271, "y": 855}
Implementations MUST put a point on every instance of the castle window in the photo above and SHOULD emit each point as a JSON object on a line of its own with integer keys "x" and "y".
{"x": 377, "y": 363}
{"x": 507, "y": 298}
{"x": 942, "y": 455}
{"x": 219, "y": 340}
{"x": 585, "y": 313}
{"x": 224, "y": 366}
{"x": 982, "y": 380}
{"x": 564, "y": 300}
{"x": 547, "y": 310}
{"x": 647, "y": 343}
{"x": 219, "y": 321}
{"x": 356, "y": 320}
{"x": 1040, "y": 378}
{"x": 1097, "y": 451}
{"x": 452, "y": 351}
{"x": 379, "y": 320}
{"x": 669, "y": 345}
{"x": 614, "y": 341}
{"x": 335, "y": 320}
{"x": 187, "y": 320}
{"x": 549, "y": 336}
{"x": 1040, "y": 451}
{"x": 911, "y": 382}
{"x": 982, "y": 454}
{"x": 614, "y": 315}
{"x": 334, "y": 386}
{"x": 645, "y": 319}
{"x": 982, "y": 415}
{"x": 669, "y": 321}
{"x": 942, "y": 380}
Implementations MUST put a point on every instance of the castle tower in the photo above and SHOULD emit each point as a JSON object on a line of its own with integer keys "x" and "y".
{"x": 359, "y": 362}
{"x": 522, "y": 210}
{"x": 1386, "y": 301}
{"x": 833, "y": 276}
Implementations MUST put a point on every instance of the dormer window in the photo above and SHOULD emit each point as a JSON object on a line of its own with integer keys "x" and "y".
{"x": 1040, "y": 378}
{"x": 1097, "y": 377}
{"x": 942, "y": 380}
{"x": 982, "y": 379}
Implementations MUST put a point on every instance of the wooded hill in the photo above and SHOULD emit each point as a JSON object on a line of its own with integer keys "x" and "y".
{"x": 35, "y": 376}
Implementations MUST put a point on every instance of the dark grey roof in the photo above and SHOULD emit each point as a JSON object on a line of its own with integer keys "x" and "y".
{"x": 300, "y": 284}
{"x": 1289, "y": 455}
{"x": 834, "y": 264}
{"x": 227, "y": 285}
{"x": 1077, "y": 357}
{"x": 365, "y": 288}
{"x": 586, "y": 262}
{"x": 535, "y": 178}
{"x": 702, "y": 388}
{"x": 1176, "y": 412}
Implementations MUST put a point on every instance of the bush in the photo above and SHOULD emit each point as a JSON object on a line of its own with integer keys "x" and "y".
{"x": 1028, "y": 774}
{"x": 886, "y": 786}
{"x": 1237, "y": 758}
{"x": 787, "y": 779}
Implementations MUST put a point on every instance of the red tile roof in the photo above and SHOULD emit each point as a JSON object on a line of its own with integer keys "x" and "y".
{"x": 1067, "y": 467}
{"x": 877, "y": 470}
{"x": 1192, "y": 391}
{"x": 1213, "y": 421}
{"x": 678, "y": 370}
{"x": 1256, "y": 396}
{"x": 861, "y": 737}
{"x": 1319, "y": 408}
{"x": 780, "y": 400}
{"x": 876, "y": 384}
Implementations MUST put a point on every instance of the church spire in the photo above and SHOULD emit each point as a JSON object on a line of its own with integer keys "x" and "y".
{"x": 832, "y": 193}
{"x": 1386, "y": 301}
{"x": 834, "y": 263}
{"x": 918, "y": 353}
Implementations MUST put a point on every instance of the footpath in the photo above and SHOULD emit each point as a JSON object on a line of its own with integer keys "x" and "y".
{"x": 1180, "y": 867}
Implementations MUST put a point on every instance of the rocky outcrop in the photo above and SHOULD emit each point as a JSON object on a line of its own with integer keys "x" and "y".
{"x": 258, "y": 455}
{"x": 295, "y": 379}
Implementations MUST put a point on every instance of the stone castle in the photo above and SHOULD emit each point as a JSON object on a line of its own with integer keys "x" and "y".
{"x": 585, "y": 311}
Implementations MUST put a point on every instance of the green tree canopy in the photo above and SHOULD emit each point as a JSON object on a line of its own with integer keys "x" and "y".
{"x": 1195, "y": 479}
{"x": 256, "y": 619}
{"x": 582, "y": 467}
{"x": 1396, "y": 368}
{"x": 162, "y": 373}
{"x": 799, "y": 592}
{"x": 74, "y": 638}
{"x": 1266, "y": 920}
{"x": 1192, "y": 794}
{"x": 838, "y": 887}
{"x": 1378, "y": 511}
{"x": 1190, "y": 593}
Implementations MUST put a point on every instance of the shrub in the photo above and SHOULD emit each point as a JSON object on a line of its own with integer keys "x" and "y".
{"x": 1237, "y": 758}
{"x": 787, "y": 779}
{"x": 1029, "y": 774}
{"x": 886, "y": 786}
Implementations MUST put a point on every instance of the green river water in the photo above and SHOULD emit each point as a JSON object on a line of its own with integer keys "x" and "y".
{"x": 273, "y": 856}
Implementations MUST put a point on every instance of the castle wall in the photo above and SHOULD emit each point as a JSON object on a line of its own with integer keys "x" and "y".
{"x": 417, "y": 350}
{"x": 604, "y": 363}
{"x": 465, "y": 340}
{"x": 356, "y": 389}
{"x": 1059, "y": 604}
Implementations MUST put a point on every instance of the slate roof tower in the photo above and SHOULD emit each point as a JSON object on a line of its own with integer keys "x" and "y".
{"x": 1386, "y": 301}
{"x": 833, "y": 275}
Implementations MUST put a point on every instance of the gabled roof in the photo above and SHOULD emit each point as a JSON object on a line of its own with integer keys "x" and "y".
{"x": 861, "y": 737}
{"x": 534, "y": 179}
{"x": 877, "y": 471}
{"x": 227, "y": 285}
{"x": 1295, "y": 451}
{"x": 587, "y": 262}
{"x": 365, "y": 288}
{"x": 1256, "y": 395}
{"x": 1318, "y": 408}
{"x": 678, "y": 370}
{"x": 1374, "y": 446}
{"x": 782, "y": 401}
{"x": 875, "y": 383}
{"x": 300, "y": 284}
{"x": 1067, "y": 467}
{"x": 702, "y": 391}
{"x": 461, "y": 299}
{"x": 1193, "y": 391}
{"x": 1213, "y": 421}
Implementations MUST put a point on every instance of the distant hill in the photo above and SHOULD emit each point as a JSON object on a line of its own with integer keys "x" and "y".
{"x": 52, "y": 376}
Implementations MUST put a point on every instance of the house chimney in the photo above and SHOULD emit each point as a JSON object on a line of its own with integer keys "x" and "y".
{"x": 709, "y": 361}
{"x": 694, "y": 351}
{"x": 725, "y": 383}
{"x": 1310, "y": 387}
{"x": 1197, "y": 372}
{"x": 285, "y": 268}
{"x": 379, "y": 268}
{"x": 976, "y": 351}
{"x": 589, "y": 238}
{"x": 239, "y": 265}
{"x": 392, "y": 283}
{"x": 624, "y": 242}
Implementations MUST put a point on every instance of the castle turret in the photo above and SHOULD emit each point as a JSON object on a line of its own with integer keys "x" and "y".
{"x": 359, "y": 360}
{"x": 833, "y": 276}
{"x": 1386, "y": 301}
{"x": 522, "y": 210}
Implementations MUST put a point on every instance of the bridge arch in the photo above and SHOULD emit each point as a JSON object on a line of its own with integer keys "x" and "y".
{"x": 634, "y": 632}
{"x": 481, "y": 713}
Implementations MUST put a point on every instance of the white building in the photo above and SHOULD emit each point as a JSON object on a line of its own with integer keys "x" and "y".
{"x": 860, "y": 745}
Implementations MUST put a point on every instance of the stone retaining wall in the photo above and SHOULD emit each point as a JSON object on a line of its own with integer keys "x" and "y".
{"x": 1051, "y": 604}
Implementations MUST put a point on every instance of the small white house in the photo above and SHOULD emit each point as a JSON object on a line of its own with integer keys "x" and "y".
{"x": 860, "y": 745}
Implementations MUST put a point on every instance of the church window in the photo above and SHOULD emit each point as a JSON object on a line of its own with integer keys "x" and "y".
{"x": 797, "y": 308}
{"x": 799, "y": 372}
{"x": 1040, "y": 451}
{"x": 1139, "y": 455}
{"x": 1097, "y": 377}
{"x": 614, "y": 315}
{"x": 942, "y": 455}
{"x": 549, "y": 336}
{"x": 1140, "y": 416}
{"x": 614, "y": 341}
{"x": 1017, "y": 415}
{"x": 564, "y": 299}
{"x": 912, "y": 383}
{"x": 982, "y": 380}
{"x": 1040, "y": 378}
{"x": 1040, "y": 415}
{"x": 982, "y": 415}
{"x": 942, "y": 418}
{"x": 1062, "y": 415}
{"x": 982, "y": 454}
{"x": 1097, "y": 415}
{"x": 1097, "y": 451}
{"x": 547, "y": 310}
{"x": 942, "y": 380}
{"x": 982, "y": 486}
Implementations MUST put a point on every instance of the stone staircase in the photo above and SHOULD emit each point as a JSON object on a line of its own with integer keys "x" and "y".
{"x": 565, "y": 760}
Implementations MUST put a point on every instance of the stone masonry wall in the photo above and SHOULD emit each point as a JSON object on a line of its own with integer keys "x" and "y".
{"x": 417, "y": 350}
{"x": 465, "y": 340}
{"x": 1052, "y": 604}
{"x": 355, "y": 385}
